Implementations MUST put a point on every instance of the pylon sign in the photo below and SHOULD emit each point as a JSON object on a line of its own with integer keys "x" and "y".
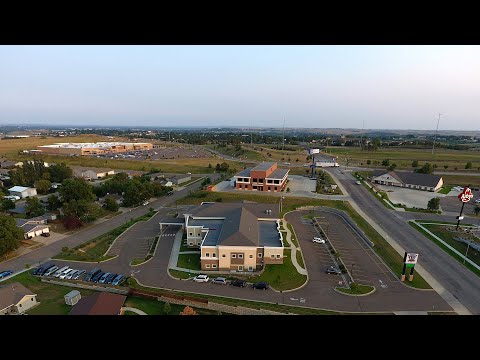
{"x": 409, "y": 261}
{"x": 466, "y": 195}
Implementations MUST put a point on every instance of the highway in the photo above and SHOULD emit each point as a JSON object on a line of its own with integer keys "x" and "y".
{"x": 455, "y": 278}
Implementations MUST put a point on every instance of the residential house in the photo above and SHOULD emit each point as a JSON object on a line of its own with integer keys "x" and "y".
{"x": 22, "y": 191}
{"x": 263, "y": 177}
{"x": 16, "y": 299}
{"x": 33, "y": 227}
{"x": 117, "y": 198}
{"x": 91, "y": 173}
{"x": 100, "y": 303}
{"x": 180, "y": 179}
{"x": 409, "y": 180}
{"x": 235, "y": 237}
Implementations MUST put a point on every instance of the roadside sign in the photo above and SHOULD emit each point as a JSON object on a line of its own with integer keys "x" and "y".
{"x": 314, "y": 151}
{"x": 466, "y": 195}
{"x": 411, "y": 259}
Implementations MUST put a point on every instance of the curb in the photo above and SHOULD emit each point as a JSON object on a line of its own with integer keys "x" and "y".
{"x": 369, "y": 293}
{"x": 86, "y": 262}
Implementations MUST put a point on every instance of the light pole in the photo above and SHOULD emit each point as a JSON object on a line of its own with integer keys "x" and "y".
{"x": 466, "y": 253}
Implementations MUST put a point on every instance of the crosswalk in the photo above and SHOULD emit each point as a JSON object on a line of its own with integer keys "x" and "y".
{"x": 167, "y": 235}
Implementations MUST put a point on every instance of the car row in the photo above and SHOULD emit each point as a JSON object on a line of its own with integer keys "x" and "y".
{"x": 234, "y": 282}
{"x": 66, "y": 273}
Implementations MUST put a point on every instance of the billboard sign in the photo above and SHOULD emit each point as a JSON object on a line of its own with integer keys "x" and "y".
{"x": 411, "y": 259}
{"x": 466, "y": 195}
{"x": 314, "y": 151}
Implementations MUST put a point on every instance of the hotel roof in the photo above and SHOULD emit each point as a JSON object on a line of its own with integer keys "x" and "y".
{"x": 264, "y": 166}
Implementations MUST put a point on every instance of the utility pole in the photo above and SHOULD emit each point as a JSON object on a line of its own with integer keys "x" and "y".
{"x": 283, "y": 135}
{"x": 361, "y": 135}
{"x": 435, "y": 137}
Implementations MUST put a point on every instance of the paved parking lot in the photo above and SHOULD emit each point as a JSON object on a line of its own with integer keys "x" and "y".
{"x": 451, "y": 203}
{"x": 171, "y": 152}
{"x": 409, "y": 197}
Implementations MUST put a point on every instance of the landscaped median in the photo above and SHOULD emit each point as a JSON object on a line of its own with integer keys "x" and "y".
{"x": 95, "y": 250}
{"x": 445, "y": 240}
{"x": 357, "y": 290}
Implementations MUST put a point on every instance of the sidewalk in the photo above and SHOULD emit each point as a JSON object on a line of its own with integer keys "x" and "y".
{"x": 295, "y": 263}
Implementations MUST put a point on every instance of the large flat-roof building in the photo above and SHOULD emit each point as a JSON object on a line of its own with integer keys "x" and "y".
{"x": 93, "y": 148}
{"x": 235, "y": 237}
{"x": 22, "y": 191}
{"x": 266, "y": 176}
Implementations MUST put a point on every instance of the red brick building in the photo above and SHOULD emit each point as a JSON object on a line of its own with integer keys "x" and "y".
{"x": 263, "y": 177}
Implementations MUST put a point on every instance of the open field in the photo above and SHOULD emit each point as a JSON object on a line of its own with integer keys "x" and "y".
{"x": 404, "y": 157}
{"x": 382, "y": 248}
{"x": 279, "y": 155}
{"x": 243, "y": 153}
{"x": 462, "y": 180}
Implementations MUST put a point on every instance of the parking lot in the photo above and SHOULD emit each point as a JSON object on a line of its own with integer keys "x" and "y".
{"x": 171, "y": 152}
{"x": 409, "y": 197}
{"x": 451, "y": 203}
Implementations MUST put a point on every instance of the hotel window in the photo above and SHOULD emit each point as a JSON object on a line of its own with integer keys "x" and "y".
{"x": 278, "y": 256}
{"x": 275, "y": 188}
{"x": 255, "y": 180}
{"x": 250, "y": 256}
{"x": 234, "y": 256}
{"x": 240, "y": 256}
{"x": 240, "y": 268}
{"x": 214, "y": 266}
{"x": 223, "y": 255}
{"x": 207, "y": 266}
{"x": 254, "y": 187}
{"x": 272, "y": 256}
{"x": 207, "y": 254}
{"x": 260, "y": 181}
{"x": 250, "y": 268}
{"x": 259, "y": 255}
{"x": 214, "y": 255}
{"x": 269, "y": 188}
{"x": 190, "y": 244}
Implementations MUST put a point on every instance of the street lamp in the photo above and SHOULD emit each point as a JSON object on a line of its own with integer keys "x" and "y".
{"x": 466, "y": 252}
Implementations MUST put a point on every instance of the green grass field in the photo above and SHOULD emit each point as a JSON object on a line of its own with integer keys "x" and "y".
{"x": 189, "y": 261}
{"x": 356, "y": 289}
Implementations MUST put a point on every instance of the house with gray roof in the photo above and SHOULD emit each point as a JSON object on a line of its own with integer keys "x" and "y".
{"x": 33, "y": 227}
{"x": 235, "y": 237}
{"x": 410, "y": 180}
{"x": 16, "y": 299}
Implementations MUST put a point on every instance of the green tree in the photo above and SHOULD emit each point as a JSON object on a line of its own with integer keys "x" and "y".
{"x": 425, "y": 169}
{"x": 9, "y": 234}
{"x": 43, "y": 186}
{"x": 136, "y": 192}
{"x": 468, "y": 165}
{"x": 33, "y": 207}
{"x": 76, "y": 189}
{"x": 369, "y": 162}
{"x": 415, "y": 163}
{"x": 60, "y": 172}
{"x": 111, "y": 205}
{"x": 167, "y": 308}
{"x": 53, "y": 202}
{"x": 7, "y": 204}
{"x": 476, "y": 210}
{"x": 433, "y": 204}
{"x": 386, "y": 162}
{"x": 84, "y": 210}
{"x": 445, "y": 167}
{"x": 392, "y": 167}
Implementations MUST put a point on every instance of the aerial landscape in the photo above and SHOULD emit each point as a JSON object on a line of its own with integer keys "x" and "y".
{"x": 239, "y": 180}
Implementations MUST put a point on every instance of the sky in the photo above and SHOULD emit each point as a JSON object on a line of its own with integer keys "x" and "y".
{"x": 376, "y": 87}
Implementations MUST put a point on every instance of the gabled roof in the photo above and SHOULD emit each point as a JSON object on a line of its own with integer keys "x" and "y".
{"x": 11, "y": 294}
{"x": 411, "y": 178}
{"x": 100, "y": 303}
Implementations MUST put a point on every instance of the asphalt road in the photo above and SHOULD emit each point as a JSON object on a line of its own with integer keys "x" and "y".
{"x": 43, "y": 253}
{"x": 458, "y": 280}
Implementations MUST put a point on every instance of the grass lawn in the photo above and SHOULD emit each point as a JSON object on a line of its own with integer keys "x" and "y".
{"x": 285, "y": 242}
{"x": 244, "y": 153}
{"x": 94, "y": 250}
{"x": 155, "y": 307}
{"x": 447, "y": 236}
{"x": 50, "y": 296}
{"x": 293, "y": 237}
{"x": 184, "y": 247}
{"x": 446, "y": 189}
{"x": 281, "y": 276}
{"x": 356, "y": 289}
{"x": 462, "y": 180}
{"x": 194, "y": 178}
{"x": 300, "y": 259}
{"x": 126, "y": 312}
{"x": 179, "y": 274}
{"x": 189, "y": 261}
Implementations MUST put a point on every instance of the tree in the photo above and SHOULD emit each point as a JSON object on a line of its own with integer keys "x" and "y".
{"x": 84, "y": 210}
{"x": 188, "y": 311}
{"x": 433, "y": 204}
{"x": 33, "y": 207}
{"x": 7, "y": 204}
{"x": 167, "y": 308}
{"x": 445, "y": 167}
{"x": 43, "y": 186}
{"x": 414, "y": 163}
{"x": 76, "y": 189}
{"x": 468, "y": 165}
{"x": 136, "y": 192}
{"x": 9, "y": 234}
{"x": 288, "y": 189}
{"x": 369, "y": 162}
{"x": 425, "y": 169}
{"x": 386, "y": 162}
{"x": 476, "y": 210}
{"x": 111, "y": 205}
{"x": 53, "y": 202}
{"x": 72, "y": 222}
{"x": 392, "y": 167}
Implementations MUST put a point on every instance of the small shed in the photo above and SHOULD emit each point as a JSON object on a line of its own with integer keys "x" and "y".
{"x": 72, "y": 297}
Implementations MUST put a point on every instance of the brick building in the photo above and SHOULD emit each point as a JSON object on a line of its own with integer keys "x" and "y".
{"x": 263, "y": 177}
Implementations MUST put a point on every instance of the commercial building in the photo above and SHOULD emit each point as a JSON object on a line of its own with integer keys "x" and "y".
{"x": 408, "y": 180}
{"x": 266, "y": 176}
{"x": 235, "y": 237}
{"x": 16, "y": 299}
{"x": 93, "y": 148}
{"x": 22, "y": 191}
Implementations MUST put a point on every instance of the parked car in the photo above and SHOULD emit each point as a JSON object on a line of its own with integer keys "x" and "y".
{"x": 65, "y": 273}
{"x": 5, "y": 273}
{"x": 97, "y": 277}
{"x": 261, "y": 285}
{"x": 45, "y": 269}
{"x": 318, "y": 240}
{"x": 51, "y": 271}
{"x": 239, "y": 283}
{"x": 47, "y": 234}
{"x": 170, "y": 193}
{"x": 220, "y": 280}
{"x": 60, "y": 271}
{"x": 78, "y": 274}
{"x": 145, "y": 203}
{"x": 358, "y": 182}
{"x": 110, "y": 278}
{"x": 333, "y": 270}
{"x": 103, "y": 278}
{"x": 201, "y": 278}
{"x": 70, "y": 274}
{"x": 118, "y": 280}
{"x": 477, "y": 201}
{"x": 89, "y": 276}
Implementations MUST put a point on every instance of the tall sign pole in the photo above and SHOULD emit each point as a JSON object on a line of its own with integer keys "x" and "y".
{"x": 312, "y": 153}
{"x": 465, "y": 196}
{"x": 409, "y": 261}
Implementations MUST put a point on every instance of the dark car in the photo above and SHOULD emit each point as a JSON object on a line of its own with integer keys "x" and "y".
{"x": 5, "y": 273}
{"x": 333, "y": 270}
{"x": 118, "y": 280}
{"x": 261, "y": 285}
{"x": 239, "y": 283}
{"x": 97, "y": 277}
{"x": 44, "y": 269}
{"x": 89, "y": 276}
{"x": 110, "y": 278}
{"x": 45, "y": 234}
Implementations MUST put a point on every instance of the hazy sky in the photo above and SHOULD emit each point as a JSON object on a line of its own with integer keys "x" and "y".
{"x": 387, "y": 87}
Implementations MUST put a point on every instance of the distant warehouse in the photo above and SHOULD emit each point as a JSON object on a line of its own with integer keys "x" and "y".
{"x": 93, "y": 148}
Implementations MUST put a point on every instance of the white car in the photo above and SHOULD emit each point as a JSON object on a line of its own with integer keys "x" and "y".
{"x": 318, "y": 240}
{"x": 358, "y": 182}
{"x": 477, "y": 201}
{"x": 201, "y": 278}
{"x": 145, "y": 203}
